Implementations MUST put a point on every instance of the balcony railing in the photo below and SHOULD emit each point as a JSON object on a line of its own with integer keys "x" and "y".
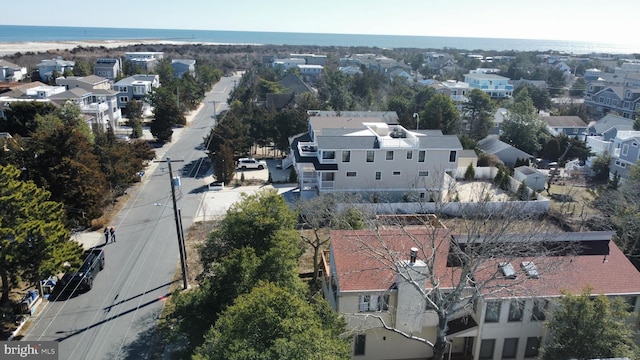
{"x": 308, "y": 149}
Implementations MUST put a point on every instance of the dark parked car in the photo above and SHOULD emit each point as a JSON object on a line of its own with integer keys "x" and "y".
{"x": 93, "y": 262}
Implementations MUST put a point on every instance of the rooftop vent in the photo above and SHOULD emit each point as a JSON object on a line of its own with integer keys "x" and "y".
{"x": 413, "y": 255}
{"x": 530, "y": 268}
{"x": 507, "y": 270}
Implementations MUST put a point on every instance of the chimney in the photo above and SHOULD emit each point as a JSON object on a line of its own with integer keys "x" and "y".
{"x": 413, "y": 255}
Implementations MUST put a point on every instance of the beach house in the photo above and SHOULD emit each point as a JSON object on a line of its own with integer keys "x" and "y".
{"x": 379, "y": 280}
{"x": 496, "y": 86}
{"x": 369, "y": 153}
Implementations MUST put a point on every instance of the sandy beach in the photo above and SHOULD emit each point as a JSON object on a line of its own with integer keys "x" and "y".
{"x": 36, "y": 47}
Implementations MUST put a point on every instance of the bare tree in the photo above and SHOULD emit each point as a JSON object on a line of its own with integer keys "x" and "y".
{"x": 317, "y": 216}
{"x": 444, "y": 271}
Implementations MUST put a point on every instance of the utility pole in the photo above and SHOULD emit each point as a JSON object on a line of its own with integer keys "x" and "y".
{"x": 417, "y": 117}
{"x": 179, "y": 233}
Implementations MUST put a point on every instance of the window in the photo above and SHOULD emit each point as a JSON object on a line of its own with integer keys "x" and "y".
{"x": 516, "y": 309}
{"x": 372, "y": 303}
{"x": 509, "y": 348}
{"x": 486, "y": 349}
{"x": 370, "y": 155}
{"x": 452, "y": 156}
{"x": 351, "y": 174}
{"x": 328, "y": 154}
{"x": 423, "y": 173}
{"x": 421, "y": 156}
{"x": 359, "y": 344}
{"x": 378, "y": 175}
{"x": 625, "y": 149}
{"x": 124, "y": 99}
{"x": 531, "y": 349}
{"x": 539, "y": 309}
{"x": 328, "y": 176}
{"x": 346, "y": 156}
{"x": 389, "y": 155}
{"x": 396, "y": 173}
{"x": 492, "y": 314}
{"x": 630, "y": 301}
{"x": 409, "y": 154}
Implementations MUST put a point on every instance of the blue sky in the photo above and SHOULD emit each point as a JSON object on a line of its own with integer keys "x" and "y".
{"x": 587, "y": 20}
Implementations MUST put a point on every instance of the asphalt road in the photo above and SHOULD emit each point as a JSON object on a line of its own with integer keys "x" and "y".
{"x": 117, "y": 318}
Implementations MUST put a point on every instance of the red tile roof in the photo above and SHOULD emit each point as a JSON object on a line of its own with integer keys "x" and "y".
{"x": 365, "y": 261}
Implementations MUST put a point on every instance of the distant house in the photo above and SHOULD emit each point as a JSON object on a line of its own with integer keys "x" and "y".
{"x": 370, "y": 153}
{"x": 400, "y": 72}
{"x": 183, "y": 66}
{"x": 292, "y": 86}
{"x": 311, "y": 59}
{"x": 540, "y": 84}
{"x": 601, "y": 100}
{"x": 158, "y": 55}
{"x": 91, "y": 82}
{"x": 135, "y": 87}
{"x": 568, "y": 125}
{"x": 280, "y": 101}
{"x": 107, "y": 68}
{"x": 503, "y": 151}
{"x": 533, "y": 178}
{"x": 495, "y": 86}
{"x": 33, "y": 90}
{"x": 310, "y": 72}
{"x": 457, "y": 91}
{"x": 286, "y": 64}
{"x": 625, "y": 155}
{"x": 99, "y": 104}
{"x": 10, "y": 72}
{"x": 498, "y": 119}
{"x": 145, "y": 60}
{"x": 47, "y": 68}
{"x": 591, "y": 74}
{"x": 608, "y": 126}
{"x": 350, "y": 70}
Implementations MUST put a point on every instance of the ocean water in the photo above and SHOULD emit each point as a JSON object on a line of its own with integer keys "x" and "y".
{"x": 11, "y": 33}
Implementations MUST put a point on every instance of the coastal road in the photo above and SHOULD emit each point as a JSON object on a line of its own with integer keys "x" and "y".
{"x": 117, "y": 318}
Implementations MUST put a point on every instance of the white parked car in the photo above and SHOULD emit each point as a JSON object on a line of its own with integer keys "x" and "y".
{"x": 251, "y": 163}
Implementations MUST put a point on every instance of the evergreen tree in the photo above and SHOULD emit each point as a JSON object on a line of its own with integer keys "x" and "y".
{"x": 34, "y": 242}
{"x": 470, "y": 173}
{"x": 441, "y": 113}
{"x": 166, "y": 114}
{"x": 273, "y": 323}
{"x": 584, "y": 327}
{"x": 478, "y": 112}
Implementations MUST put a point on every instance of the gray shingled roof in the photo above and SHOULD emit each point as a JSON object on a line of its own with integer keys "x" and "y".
{"x": 610, "y": 121}
{"x": 564, "y": 121}
{"x": 492, "y": 145}
{"x": 74, "y": 93}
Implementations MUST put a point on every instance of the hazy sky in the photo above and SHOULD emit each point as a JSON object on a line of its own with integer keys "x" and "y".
{"x": 588, "y": 20}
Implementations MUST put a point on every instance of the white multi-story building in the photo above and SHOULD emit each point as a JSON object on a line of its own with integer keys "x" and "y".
{"x": 371, "y": 154}
{"x": 495, "y": 86}
{"x": 362, "y": 280}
